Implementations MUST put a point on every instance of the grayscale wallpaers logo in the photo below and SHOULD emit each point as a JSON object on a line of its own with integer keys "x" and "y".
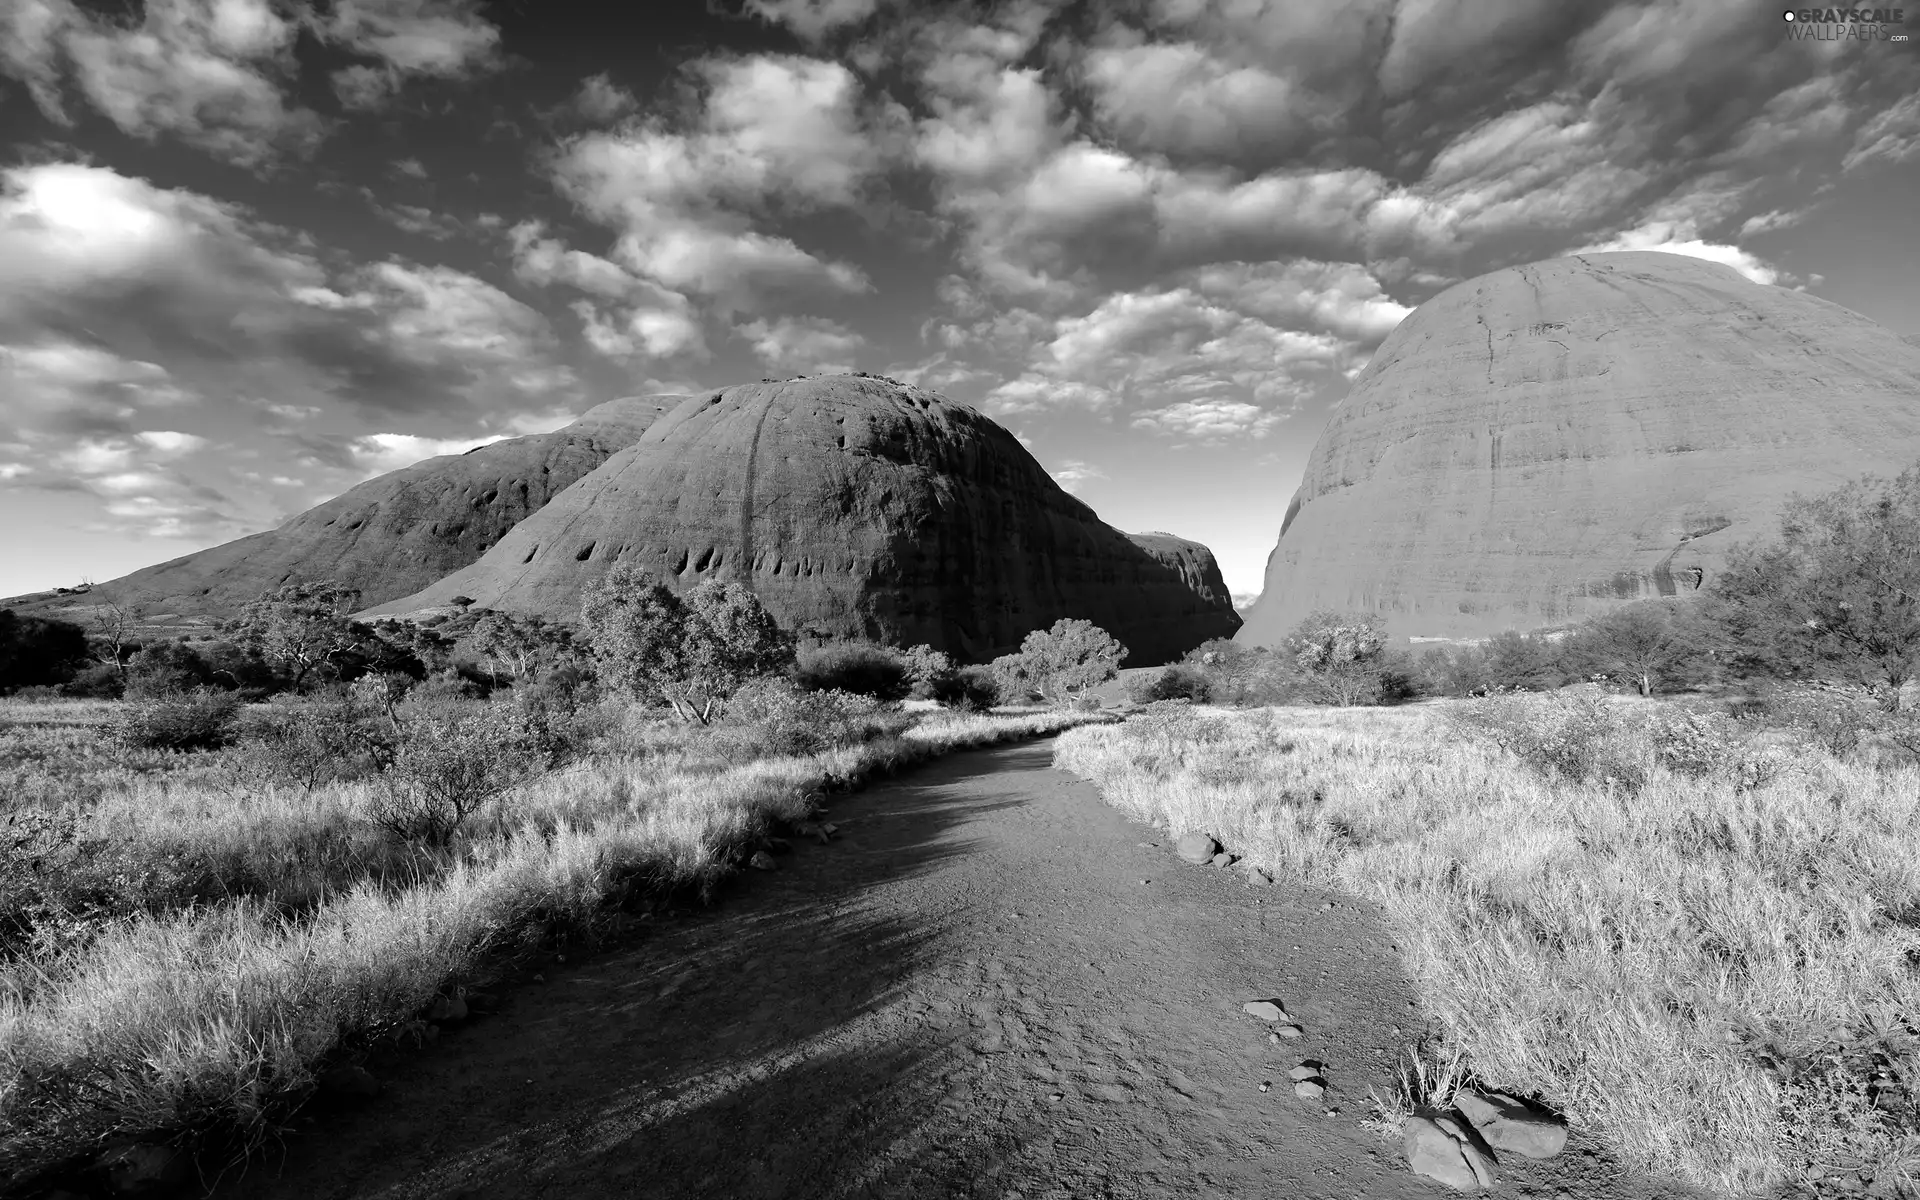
{"x": 1846, "y": 24}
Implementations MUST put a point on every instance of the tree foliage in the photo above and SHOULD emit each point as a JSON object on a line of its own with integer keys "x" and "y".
{"x": 1060, "y": 662}
{"x": 1341, "y": 659}
{"x": 300, "y": 628}
{"x": 1838, "y": 593}
{"x": 1652, "y": 646}
{"x": 689, "y": 653}
{"x": 37, "y": 651}
{"x": 521, "y": 647}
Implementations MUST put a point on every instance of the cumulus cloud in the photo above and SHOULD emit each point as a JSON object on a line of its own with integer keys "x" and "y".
{"x": 601, "y": 99}
{"x": 1210, "y": 419}
{"x": 660, "y": 331}
{"x": 119, "y": 294}
{"x": 433, "y": 39}
{"x": 144, "y": 482}
{"x": 1073, "y": 474}
{"x": 1681, "y": 239}
{"x": 1182, "y": 100}
{"x": 377, "y": 453}
{"x": 813, "y": 345}
{"x": 813, "y": 20}
{"x": 775, "y": 134}
{"x": 208, "y": 72}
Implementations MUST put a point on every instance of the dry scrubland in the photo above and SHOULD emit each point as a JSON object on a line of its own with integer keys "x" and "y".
{"x": 1698, "y": 942}
{"x": 188, "y": 940}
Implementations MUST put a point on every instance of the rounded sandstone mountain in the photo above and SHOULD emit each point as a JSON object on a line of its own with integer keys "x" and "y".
{"x": 854, "y": 507}
{"x": 1539, "y": 443}
{"x": 398, "y": 532}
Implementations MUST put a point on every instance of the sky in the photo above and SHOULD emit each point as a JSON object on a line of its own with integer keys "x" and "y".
{"x": 253, "y": 252}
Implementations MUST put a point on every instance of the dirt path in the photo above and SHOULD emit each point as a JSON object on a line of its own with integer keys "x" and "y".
{"x": 971, "y": 992}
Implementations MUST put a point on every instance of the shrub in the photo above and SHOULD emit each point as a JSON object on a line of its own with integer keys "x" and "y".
{"x": 307, "y": 742}
{"x": 931, "y": 674}
{"x": 1707, "y": 745}
{"x": 780, "y": 718}
{"x": 976, "y": 689}
{"x": 1177, "y": 682}
{"x": 1836, "y": 721}
{"x": 1572, "y": 735}
{"x": 1338, "y": 659}
{"x": 100, "y": 681}
{"x": 197, "y": 720}
{"x": 449, "y": 759}
{"x": 860, "y": 667}
{"x": 165, "y": 669}
{"x": 59, "y": 888}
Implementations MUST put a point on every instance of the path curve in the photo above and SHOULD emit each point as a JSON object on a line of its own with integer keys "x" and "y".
{"x": 973, "y": 991}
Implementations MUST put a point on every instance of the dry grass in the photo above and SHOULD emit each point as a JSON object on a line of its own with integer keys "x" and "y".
{"x": 217, "y": 1015}
{"x": 1704, "y": 973}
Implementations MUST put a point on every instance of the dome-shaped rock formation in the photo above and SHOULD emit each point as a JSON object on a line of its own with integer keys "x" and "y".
{"x": 396, "y": 533}
{"x": 1545, "y": 441}
{"x": 854, "y": 507}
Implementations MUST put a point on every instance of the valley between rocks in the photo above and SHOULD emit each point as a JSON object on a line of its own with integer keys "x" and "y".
{"x": 989, "y": 984}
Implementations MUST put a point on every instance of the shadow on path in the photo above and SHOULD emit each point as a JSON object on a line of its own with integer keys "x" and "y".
{"x": 991, "y": 984}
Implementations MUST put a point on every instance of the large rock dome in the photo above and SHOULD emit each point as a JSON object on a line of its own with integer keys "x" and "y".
{"x": 854, "y": 507}
{"x": 1545, "y": 441}
{"x": 396, "y": 533}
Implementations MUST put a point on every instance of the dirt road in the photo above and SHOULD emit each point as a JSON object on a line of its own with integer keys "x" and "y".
{"x": 986, "y": 986}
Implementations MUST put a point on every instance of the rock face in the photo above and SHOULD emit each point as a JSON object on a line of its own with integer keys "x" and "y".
{"x": 1193, "y": 561}
{"x": 1543, "y": 442}
{"x": 397, "y": 533}
{"x": 853, "y": 506}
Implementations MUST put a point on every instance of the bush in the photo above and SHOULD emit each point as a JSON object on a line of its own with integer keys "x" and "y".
{"x": 1834, "y": 720}
{"x": 779, "y": 718}
{"x": 165, "y": 669}
{"x": 449, "y": 759}
{"x": 37, "y": 652}
{"x": 99, "y": 681}
{"x": 307, "y": 742}
{"x": 1571, "y": 735}
{"x": 59, "y": 888}
{"x": 932, "y": 674}
{"x": 1578, "y": 735}
{"x": 197, "y": 720}
{"x": 1178, "y": 682}
{"x": 864, "y": 668}
{"x": 976, "y": 689}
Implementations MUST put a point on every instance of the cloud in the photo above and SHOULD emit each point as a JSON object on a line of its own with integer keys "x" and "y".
{"x": 115, "y": 286}
{"x": 600, "y": 99}
{"x": 143, "y": 483}
{"x": 378, "y": 453}
{"x": 813, "y": 20}
{"x": 1073, "y": 474}
{"x": 1211, "y": 419}
{"x": 1681, "y": 239}
{"x": 659, "y": 331}
{"x": 407, "y": 39}
{"x": 776, "y": 134}
{"x": 1892, "y": 136}
{"x": 207, "y": 72}
{"x": 813, "y": 345}
{"x": 1181, "y": 100}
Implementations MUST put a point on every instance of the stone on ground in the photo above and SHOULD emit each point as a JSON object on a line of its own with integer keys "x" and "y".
{"x": 1306, "y": 1070}
{"x": 144, "y": 1168}
{"x": 1197, "y": 848}
{"x": 762, "y": 861}
{"x": 1512, "y": 1125}
{"x": 1289, "y": 1031}
{"x": 1309, "y": 1089}
{"x": 1432, "y": 1152}
{"x": 1266, "y": 1010}
{"x": 349, "y": 1080}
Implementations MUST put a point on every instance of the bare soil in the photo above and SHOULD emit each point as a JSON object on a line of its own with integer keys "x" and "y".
{"x": 990, "y": 984}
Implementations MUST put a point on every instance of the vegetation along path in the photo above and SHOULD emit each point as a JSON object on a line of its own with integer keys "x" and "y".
{"x": 990, "y": 983}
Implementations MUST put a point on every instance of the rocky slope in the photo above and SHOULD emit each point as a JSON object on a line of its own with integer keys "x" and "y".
{"x": 854, "y": 506}
{"x": 1544, "y": 441}
{"x": 399, "y": 532}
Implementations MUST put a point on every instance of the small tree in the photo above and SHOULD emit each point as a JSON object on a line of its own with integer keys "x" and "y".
{"x": 690, "y": 654}
{"x": 110, "y": 638}
{"x": 1341, "y": 659}
{"x": 1651, "y": 645}
{"x": 1060, "y": 662}
{"x": 521, "y": 646}
{"x": 300, "y": 627}
{"x": 1838, "y": 593}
